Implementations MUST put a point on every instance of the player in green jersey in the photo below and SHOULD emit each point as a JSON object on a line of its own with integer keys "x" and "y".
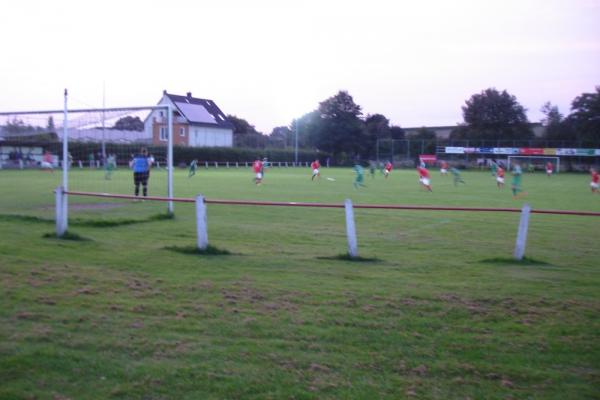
{"x": 193, "y": 167}
{"x": 456, "y": 175}
{"x": 360, "y": 176}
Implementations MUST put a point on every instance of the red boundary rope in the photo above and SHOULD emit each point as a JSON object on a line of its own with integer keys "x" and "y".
{"x": 329, "y": 205}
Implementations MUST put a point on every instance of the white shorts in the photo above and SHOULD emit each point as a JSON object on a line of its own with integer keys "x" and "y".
{"x": 46, "y": 165}
{"x": 386, "y": 172}
{"x": 594, "y": 185}
{"x": 315, "y": 171}
{"x": 259, "y": 175}
{"x": 424, "y": 181}
{"x": 499, "y": 179}
{"x": 549, "y": 171}
{"x": 444, "y": 171}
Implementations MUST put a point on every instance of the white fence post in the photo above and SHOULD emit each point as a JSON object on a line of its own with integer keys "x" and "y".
{"x": 201, "y": 228}
{"x": 351, "y": 229}
{"x": 522, "y": 233}
{"x": 61, "y": 212}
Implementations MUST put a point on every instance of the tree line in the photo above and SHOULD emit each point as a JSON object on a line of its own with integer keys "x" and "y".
{"x": 338, "y": 126}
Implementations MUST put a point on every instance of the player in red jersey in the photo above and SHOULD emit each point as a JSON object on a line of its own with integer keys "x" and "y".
{"x": 47, "y": 161}
{"x": 315, "y": 165}
{"x": 595, "y": 180}
{"x": 549, "y": 169}
{"x": 444, "y": 167}
{"x": 424, "y": 178}
{"x": 387, "y": 169}
{"x": 257, "y": 166}
{"x": 500, "y": 177}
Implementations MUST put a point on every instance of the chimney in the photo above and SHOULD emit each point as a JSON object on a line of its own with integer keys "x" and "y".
{"x": 189, "y": 95}
{"x": 164, "y": 91}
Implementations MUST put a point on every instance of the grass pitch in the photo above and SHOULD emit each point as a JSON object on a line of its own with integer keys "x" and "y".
{"x": 440, "y": 311}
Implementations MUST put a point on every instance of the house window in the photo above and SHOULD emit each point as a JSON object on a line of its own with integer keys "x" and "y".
{"x": 181, "y": 131}
{"x": 163, "y": 134}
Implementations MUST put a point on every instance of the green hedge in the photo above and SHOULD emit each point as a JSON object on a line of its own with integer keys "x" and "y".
{"x": 181, "y": 154}
{"x": 232, "y": 154}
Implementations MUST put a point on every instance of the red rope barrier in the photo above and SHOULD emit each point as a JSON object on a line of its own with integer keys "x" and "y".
{"x": 330, "y": 205}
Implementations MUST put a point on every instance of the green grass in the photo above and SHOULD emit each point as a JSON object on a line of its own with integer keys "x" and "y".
{"x": 440, "y": 311}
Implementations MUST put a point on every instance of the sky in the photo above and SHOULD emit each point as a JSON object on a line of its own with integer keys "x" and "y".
{"x": 270, "y": 61}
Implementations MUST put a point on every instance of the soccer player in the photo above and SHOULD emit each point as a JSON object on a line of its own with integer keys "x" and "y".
{"x": 500, "y": 177}
{"x": 315, "y": 165}
{"x": 456, "y": 175}
{"x": 595, "y": 180}
{"x": 360, "y": 176}
{"x": 111, "y": 164}
{"x": 493, "y": 167}
{"x": 424, "y": 178}
{"x": 257, "y": 166}
{"x": 193, "y": 166}
{"x": 443, "y": 167}
{"x": 47, "y": 161}
{"x": 387, "y": 169}
{"x": 141, "y": 171}
{"x": 549, "y": 169}
{"x": 517, "y": 174}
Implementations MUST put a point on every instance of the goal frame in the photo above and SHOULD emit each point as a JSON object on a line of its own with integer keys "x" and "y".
{"x": 557, "y": 158}
{"x": 67, "y": 113}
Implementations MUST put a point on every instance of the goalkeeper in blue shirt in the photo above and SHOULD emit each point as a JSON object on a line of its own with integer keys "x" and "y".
{"x": 141, "y": 171}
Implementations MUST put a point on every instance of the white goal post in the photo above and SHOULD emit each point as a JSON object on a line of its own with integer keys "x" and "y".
{"x": 543, "y": 159}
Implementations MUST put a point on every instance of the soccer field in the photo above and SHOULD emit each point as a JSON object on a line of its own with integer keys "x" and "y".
{"x": 440, "y": 311}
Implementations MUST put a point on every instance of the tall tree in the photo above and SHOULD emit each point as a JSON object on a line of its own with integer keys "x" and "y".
{"x": 129, "y": 123}
{"x": 397, "y": 132}
{"x": 553, "y": 122}
{"x": 493, "y": 115}
{"x": 340, "y": 129}
{"x": 377, "y": 127}
{"x": 241, "y": 126}
{"x": 584, "y": 119}
{"x": 281, "y": 136}
{"x": 245, "y": 134}
{"x": 307, "y": 128}
{"x": 50, "y": 128}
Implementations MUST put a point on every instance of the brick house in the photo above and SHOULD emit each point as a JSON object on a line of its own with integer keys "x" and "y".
{"x": 196, "y": 122}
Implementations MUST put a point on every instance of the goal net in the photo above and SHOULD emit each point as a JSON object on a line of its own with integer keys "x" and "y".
{"x": 101, "y": 144}
{"x": 533, "y": 163}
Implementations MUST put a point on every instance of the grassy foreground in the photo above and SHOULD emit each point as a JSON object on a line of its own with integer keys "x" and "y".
{"x": 437, "y": 311}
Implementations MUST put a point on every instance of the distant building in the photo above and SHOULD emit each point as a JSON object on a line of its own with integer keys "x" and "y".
{"x": 443, "y": 132}
{"x": 196, "y": 122}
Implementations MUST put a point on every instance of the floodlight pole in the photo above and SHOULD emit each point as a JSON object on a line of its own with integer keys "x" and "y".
{"x": 296, "y": 145}
{"x": 103, "y": 123}
{"x": 170, "y": 158}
